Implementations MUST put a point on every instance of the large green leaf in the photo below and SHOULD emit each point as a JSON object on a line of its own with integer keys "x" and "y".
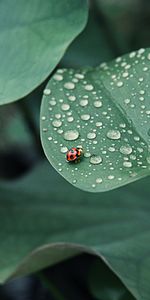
{"x": 115, "y": 225}
{"x": 33, "y": 38}
{"x": 105, "y": 110}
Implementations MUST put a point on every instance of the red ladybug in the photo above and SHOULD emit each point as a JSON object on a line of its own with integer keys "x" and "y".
{"x": 74, "y": 154}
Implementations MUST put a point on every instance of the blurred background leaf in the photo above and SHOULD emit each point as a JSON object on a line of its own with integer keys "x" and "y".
{"x": 32, "y": 41}
{"x": 115, "y": 224}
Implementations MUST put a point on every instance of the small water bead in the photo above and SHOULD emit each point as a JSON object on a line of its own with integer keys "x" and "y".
{"x": 91, "y": 135}
{"x": 52, "y": 102}
{"x": 111, "y": 149}
{"x": 57, "y": 123}
{"x": 58, "y": 116}
{"x": 69, "y": 85}
{"x": 85, "y": 117}
{"x": 99, "y": 124}
{"x": 72, "y": 98}
{"x": 125, "y": 74}
{"x": 50, "y": 138}
{"x": 127, "y": 164}
{"x": 114, "y": 134}
{"x": 87, "y": 154}
{"x": 70, "y": 119}
{"x": 147, "y": 112}
{"x": 97, "y": 104}
{"x": 96, "y": 159}
{"x": 43, "y": 118}
{"x": 79, "y": 76}
{"x": 83, "y": 102}
{"x": 88, "y": 87}
{"x": 58, "y": 77}
{"x": 74, "y": 181}
{"x": 44, "y": 129}
{"x": 111, "y": 177}
{"x": 65, "y": 106}
{"x": 64, "y": 149}
{"x": 119, "y": 83}
{"x": 99, "y": 180}
{"x": 127, "y": 149}
{"x": 127, "y": 101}
{"x": 47, "y": 92}
{"x": 71, "y": 135}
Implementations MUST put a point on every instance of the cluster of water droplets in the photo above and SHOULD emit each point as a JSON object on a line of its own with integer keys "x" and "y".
{"x": 99, "y": 115}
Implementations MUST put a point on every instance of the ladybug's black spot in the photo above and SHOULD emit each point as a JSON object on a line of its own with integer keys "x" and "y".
{"x": 71, "y": 156}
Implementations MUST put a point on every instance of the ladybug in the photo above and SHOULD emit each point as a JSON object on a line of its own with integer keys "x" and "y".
{"x": 74, "y": 154}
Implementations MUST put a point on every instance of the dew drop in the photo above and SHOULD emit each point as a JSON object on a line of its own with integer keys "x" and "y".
{"x": 99, "y": 180}
{"x": 47, "y": 92}
{"x": 127, "y": 164}
{"x": 114, "y": 134}
{"x": 72, "y": 98}
{"x": 69, "y": 85}
{"x": 95, "y": 159}
{"x": 91, "y": 135}
{"x": 57, "y": 123}
{"x": 58, "y": 77}
{"x": 127, "y": 149}
{"x": 71, "y": 135}
{"x": 64, "y": 149}
{"x": 85, "y": 117}
{"x": 97, "y": 104}
{"x": 65, "y": 106}
{"x": 88, "y": 87}
{"x": 119, "y": 83}
{"x": 83, "y": 102}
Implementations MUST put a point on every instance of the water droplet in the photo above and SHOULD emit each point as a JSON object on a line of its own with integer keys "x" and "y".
{"x": 99, "y": 124}
{"x": 72, "y": 98}
{"x": 95, "y": 159}
{"x": 58, "y": 77}
{"x": 71, "y": 135}
{"x": 88, "y": 87}
{"x": 119, "y": 83}
{"x": 65, "y": 106}
{"x": 83, "y": 102}
{"x": 43, "y": 118}
{"x": 87, "y": 154}
{"x": 52, "y": 102}
{"x": 64, "y": 149}
{"x": 69, "y": 85}
{"x": 70, "y": 119}
{"x": 47, "y": 92}
{"x": 111, "y": 149}
{"x": 85, "y": 117}
{"x": 99, "y": 180}
{"x": 91, "y": 135}
{"x": 114, "y": 134}
{"x": 79, "y": 76}
{"x": 127, "y": 149}
{"x": 57, "y": 123}
{"x": 74, "y": 181}
{"x": 127, "y": 164}
{"x": 97, "y": 104}
{"x": 111, "y": 177}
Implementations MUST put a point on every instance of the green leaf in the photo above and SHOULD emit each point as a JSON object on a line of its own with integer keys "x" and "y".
{"x": 105, "y": 285}
{"x": 115, "y": 225}
{"x": 106, "y": 110}
{"x": 32, "y": 41}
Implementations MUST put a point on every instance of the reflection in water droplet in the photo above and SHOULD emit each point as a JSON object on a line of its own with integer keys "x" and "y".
{"x": 57, "y": 123}
{"x": 96, "y": 159}
{"x": 114, "y": 134}
{"x": 85, "y": 117}
{"x": 71, "y": 135}
{"x": 127, "y": 149}
{"x": 91, "y": 135}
